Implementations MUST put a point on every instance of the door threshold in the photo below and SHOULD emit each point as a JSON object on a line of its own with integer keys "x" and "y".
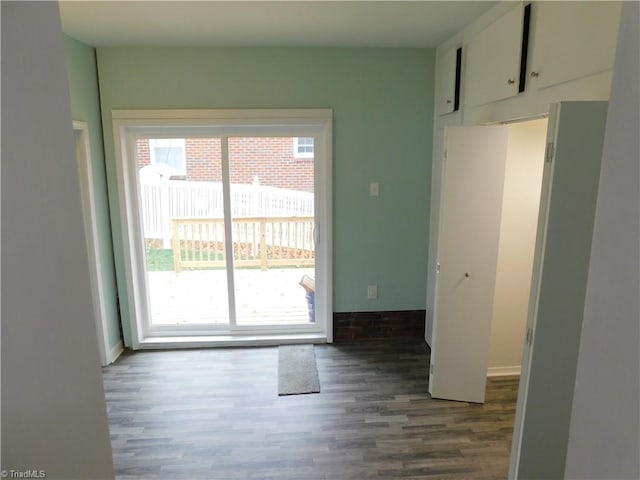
{"x": 208, "y": 341}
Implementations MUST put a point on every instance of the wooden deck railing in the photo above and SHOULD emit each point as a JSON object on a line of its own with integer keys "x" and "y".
{"x": 257, "y": 241}
{"x": 162, "y": 201}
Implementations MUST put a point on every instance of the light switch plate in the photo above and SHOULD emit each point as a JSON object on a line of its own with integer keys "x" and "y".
{"x": 374, "y": 189}
{"x": 372, "y": 292}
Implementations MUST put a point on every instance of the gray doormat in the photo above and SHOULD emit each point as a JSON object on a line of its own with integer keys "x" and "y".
{"x": 297, "y": 370}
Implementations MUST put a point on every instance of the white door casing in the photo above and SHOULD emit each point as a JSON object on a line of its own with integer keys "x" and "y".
{"x": 85, "y": 176}
{"x": 129, "y": 124}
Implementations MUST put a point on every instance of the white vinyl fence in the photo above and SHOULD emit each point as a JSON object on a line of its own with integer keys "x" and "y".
{"x": 166, "y": 200}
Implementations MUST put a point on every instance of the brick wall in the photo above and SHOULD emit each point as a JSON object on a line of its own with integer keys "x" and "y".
{"x": 271, "y": 159}
{"x": 204, "y": 159}
{"x": 142, "y": 153}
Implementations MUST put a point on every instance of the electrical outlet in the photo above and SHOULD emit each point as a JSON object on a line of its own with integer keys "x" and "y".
{"x": 374, "y": 189}
{"x": 372, "y": 292}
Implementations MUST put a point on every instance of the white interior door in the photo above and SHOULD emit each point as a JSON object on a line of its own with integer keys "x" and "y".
{"x": 474, "y": 170}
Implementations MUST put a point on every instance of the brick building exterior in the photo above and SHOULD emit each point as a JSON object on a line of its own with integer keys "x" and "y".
{"x": 274, "y": 161}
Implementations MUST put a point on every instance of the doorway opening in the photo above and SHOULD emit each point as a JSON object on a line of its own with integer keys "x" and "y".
{"x": 518, "y": 226}
{"x": 492, "y": 183}
{"x": 228, "y": 223}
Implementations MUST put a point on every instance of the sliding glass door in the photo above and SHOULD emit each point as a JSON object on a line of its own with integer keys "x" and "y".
{"x": 223, "y": 228}
{"x": 272, "y": 218}
{"x": 182, "y": 211}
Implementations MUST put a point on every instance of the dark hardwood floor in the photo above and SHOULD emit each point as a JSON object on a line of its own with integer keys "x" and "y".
{"x": 215, "y": 414}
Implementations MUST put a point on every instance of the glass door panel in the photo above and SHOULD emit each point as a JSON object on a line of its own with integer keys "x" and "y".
{"x": 272, "y": 210}
{"x": 181, "y": 201}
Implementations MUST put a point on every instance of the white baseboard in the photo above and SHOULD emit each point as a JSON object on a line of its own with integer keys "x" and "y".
{"x": 115, "y": 352}
{"x": 155, "y": 343}
{"x": 503, "y": 371}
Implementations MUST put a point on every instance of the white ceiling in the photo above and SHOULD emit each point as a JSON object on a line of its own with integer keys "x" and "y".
{"x": 267, "y": 23}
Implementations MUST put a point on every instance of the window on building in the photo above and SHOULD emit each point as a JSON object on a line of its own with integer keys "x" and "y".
{"x": 169, "y": 152}
{"x": 303, "y": 147}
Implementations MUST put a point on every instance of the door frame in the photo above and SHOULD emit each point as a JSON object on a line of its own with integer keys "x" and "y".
{"x": 85, "y": 176}
{"x": 129, "y": 124}
{"x": 543, "y": 218}
{"x": 543, "y": 211}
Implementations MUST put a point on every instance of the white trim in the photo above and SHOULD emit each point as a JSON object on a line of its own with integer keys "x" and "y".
{"x": 131, "y": 124}
{"x": 128, "y": 214}
{"x": 115, "y": 352}
{"x": 323, "y": 187}
{"x": 154, "y": 343}
{"x": 227, "y": 116}
{"x": 85, "y": 175}
{"x": 503, "y": 371}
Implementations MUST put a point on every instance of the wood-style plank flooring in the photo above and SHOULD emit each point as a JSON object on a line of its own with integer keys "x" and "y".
{"x": 215, "y": 414}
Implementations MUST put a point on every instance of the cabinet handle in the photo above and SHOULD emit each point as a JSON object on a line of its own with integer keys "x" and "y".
{"x": 535, "y": 74}
{"x": 511, "y": 81}
{"x": 448, "y": 102}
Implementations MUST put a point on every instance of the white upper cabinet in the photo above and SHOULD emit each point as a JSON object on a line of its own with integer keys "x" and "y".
{"x": 572, "y": 40}
{"x": 493, "y": 60}
{"x": 447, "y": 76}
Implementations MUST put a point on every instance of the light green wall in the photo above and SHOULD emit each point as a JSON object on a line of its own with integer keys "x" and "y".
{"x": 383, "y": 108}
{"x": 85, "y": 106}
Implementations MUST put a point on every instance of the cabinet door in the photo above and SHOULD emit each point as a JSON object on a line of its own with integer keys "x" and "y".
{"x": 447, "y": 81}
{"x": 493, "y": 60}
{"x": 572, "y": 40}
